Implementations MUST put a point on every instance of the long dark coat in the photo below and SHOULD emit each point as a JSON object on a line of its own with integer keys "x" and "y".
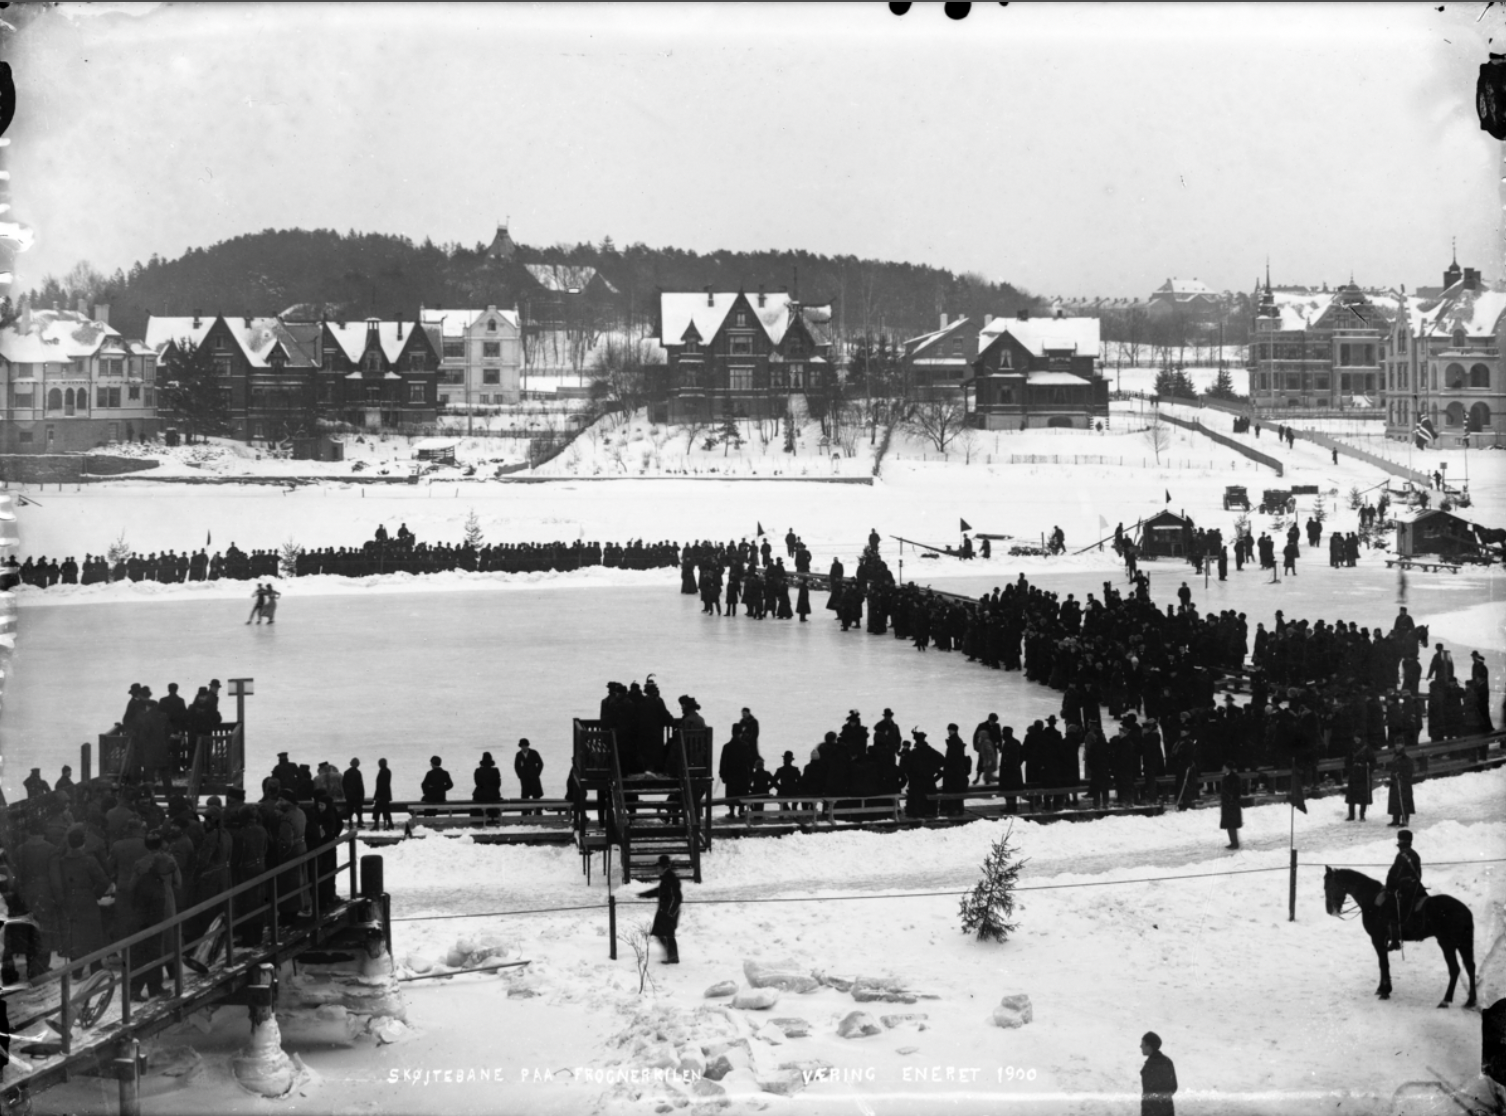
{"x": 670, "y": 896}
{"x": 488, "y": 784}
{"x": 1010, "y": 755}
{"x": 1361, "y": 764}
{"x": 1158, "y": 1081}
{"x": 529, "y": 768}
{"x": 353, "y": 783}
{"x": 1399, "y": 801}
{"x": 78, "y": 883}
{"x": 436, "y": 785}
{"x": 1231, "y": 814}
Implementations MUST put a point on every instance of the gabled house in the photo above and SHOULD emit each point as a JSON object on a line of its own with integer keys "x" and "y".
{"x": 264, "y": 367}
{"x": 70, "y": 382}
{"x": 1189, "y": 298}
{"x": 938, "y": 364}
{"x": 563, "y": 296}
{"x": 1316, "y": 348}
{"x": 1037, "y": 372}
{"x": 481, "y": 355}
{"x": 377, "y": 374}
{"x": 1444, "y": 363}
{"x": 732, "y": 354}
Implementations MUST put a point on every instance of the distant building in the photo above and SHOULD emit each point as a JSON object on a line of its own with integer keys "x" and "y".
{"x": 563, "y": 296}
{"x": 481, "y": 356}
{"x": 502, "y": 246}
{"x": 1445, "y": 362}
{"x": 1191, "y": 298}
{"x": 938, "y": 364}
{"x": 1316, "y": 348}
{"x": 732, "y": 354}
{"x": 70, "y": 382}
{"x": 1032, "y": 372}
{"x": 286, "y": 379}
{"x": 1435, "y": 532}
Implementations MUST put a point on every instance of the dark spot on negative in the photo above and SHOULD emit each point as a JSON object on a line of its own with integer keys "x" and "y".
{"x": 957, "y": 11}
{"x": 899, "y": 9}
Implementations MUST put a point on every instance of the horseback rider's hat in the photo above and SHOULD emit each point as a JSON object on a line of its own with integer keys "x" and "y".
{"x": 1404, "y": 837}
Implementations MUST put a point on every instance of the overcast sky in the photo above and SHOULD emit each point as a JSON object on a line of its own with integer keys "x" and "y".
{"x": 1072, "y": 150}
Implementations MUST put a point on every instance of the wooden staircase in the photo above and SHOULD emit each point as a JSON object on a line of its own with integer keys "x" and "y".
{"x": 652, "y": 814}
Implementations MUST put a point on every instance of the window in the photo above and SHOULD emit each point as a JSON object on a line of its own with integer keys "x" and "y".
{"x": 219, "y": 345}
{"x": 418, "y": 362}
{"x": 112, "y": 366}
{"x": 22, "y": 396}
{"x": 777, "y": 377}
{"x": 1344, "y": 383}
{"x": 491, "y": 349}
{"x": 454, "y": 350}
{"x": 149, "y": 396}
{"x": 102, "y": 396}
{"x": 956, "y": 346}
{"x": 740, "y": 345}
{"x": 691, "y": 347}
{"x": 742, "y": 320}
{"x": 1320, "y": 382}
{"x": 134, "y": 394}
{"x": 1479, "y": 376}
{"x": 1370, "y": 383}
{"x": 415, "y": 393}
{"x": 52, "y": 433}
{"x": 327, "y": 392}
{"x": 278, "y": 360}
{"x": 491, "y": 375}
{"x": 491, "y": 325}
{"x": 373, "y": 393}
{"x": 222, "y": 364}
{"x": 329, "y": 360}
{"x": 1401, "y": 342}
{"x": 372, "y": 361}
{"x": 444, "y": 400}
{"x": 797, "y": 377}
{"x": 1293, "y": 381}
{"x": 1454, "y": 416}
{"x": 1460, "y": 339}
{"x": 1006, "y": 359}
{"x": 1453, "y": 376}
{"x": 25, "y": 437}
{"x": 740, "y": 379}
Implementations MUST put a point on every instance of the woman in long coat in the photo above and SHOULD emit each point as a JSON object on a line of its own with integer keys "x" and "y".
{"x": 248, "y": 859}
{"x": 78, "y": 884}
{"x": 1100, "y": 771}
{"x": 154, "y": 884}
{"x": 488, "y": 786}
{"x": 1399, "y": 802}
{"x": 957, "y": 766}
{"x": 1231, "y": 815}
{"x": 1361, "y": 764}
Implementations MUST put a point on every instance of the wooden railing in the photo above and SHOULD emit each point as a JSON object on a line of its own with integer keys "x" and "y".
{"x": 619, "y": 817}
{"x": 692, "y": 808}
{"x": 293, "y": 877}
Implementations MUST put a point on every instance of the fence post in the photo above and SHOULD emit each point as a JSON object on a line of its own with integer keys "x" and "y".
{"x": 1291, "y": 902}
{"x": 128, "y": 1070}
{"x": 612, "y": 923}
{"x": 86, "y": 762}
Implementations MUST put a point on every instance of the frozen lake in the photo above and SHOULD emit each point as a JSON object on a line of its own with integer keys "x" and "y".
{"x": 407, "y": 675}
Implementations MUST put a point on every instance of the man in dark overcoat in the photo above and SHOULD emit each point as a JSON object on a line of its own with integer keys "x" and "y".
{"x": 528, "y": 766}
{"x": 1231, "y": 809}
{"x": 667, "y": 916}
{"x": 1158, "y": 1078}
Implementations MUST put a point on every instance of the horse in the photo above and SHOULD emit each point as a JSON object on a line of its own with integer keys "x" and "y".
{"x": 1489, "y": 537}
{"x": 1442, "y": 917}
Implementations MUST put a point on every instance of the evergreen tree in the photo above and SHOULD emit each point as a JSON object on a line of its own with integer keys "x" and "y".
{"x": 1320, "y": 509}
{"x": 987, "y": 909}
{"x": 1223, "y": 386}
{"x": 189, "y": 387}
{"x": 473, "y": 536}
{"x": 1166, "y": 385}
{"x": 287, "y": 558}
{"x": 731, "y": 436}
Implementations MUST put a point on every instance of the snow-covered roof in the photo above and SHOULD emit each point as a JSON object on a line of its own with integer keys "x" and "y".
{"x": 1300, "y": 309}
{"x": 430, "y": 444}
{"x": 1478, "y": 312}
{"x": 566, "y": 277}
{"x": 456, "y": 322}
{"x": 1042, "y": 335}
{"x": 351, "y": 337}
{"x": 1185, "y": 288}
{"x": 1050, "y": 379}
{"x": 679, "y": 310}
{"x": 258, "y": 339}
{"x": 57, "y": 336}
{"x": 914, "y": 345}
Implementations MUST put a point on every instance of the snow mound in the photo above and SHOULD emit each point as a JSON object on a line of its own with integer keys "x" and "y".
{"x": 858, "y": 1024}
{"x": 1014, "y": 1010}
{"x": 756, "y": 999}
{"x": 785, "y": 975}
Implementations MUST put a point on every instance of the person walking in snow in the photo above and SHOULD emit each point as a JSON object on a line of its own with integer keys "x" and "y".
{"x": 1158, "y": 1078}
{"x": 667, "y": 916}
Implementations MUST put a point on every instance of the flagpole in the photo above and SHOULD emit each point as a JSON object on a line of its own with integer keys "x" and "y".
{"x": 1291, "y": 899}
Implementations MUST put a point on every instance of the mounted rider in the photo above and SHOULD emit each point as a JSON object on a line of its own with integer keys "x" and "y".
{"x": 1403, "y": 887}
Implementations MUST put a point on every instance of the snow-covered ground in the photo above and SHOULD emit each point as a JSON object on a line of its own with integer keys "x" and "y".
{"x": 1260, "y": 1014}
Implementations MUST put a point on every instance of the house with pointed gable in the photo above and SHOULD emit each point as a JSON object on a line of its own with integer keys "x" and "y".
{"x": 740, "y": 355}
{"x": 481, "y": 356}
{"x": 1317, "y": 349}
{"x": 70, "y": 382}
{"x": 378, "y": 374}
{"x": 1191, "y": 299}
{"x": 938, "y": 364}
{"x": 1444, "y": 362}
{"x": 1033, "y": 372}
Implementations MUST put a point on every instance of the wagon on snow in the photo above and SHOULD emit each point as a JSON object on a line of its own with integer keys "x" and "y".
{"x": 1274, "y": 500}
{"x": 1235, "y": 496}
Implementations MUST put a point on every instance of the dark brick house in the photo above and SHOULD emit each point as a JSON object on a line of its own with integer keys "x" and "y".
{"x": 740, "y": 355}
{"x": 938, "y": 364}
{"x": 1037, "y": 372}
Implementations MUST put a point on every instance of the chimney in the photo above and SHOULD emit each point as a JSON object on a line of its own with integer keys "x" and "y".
{"x": 102, "y": 312}
{"x": 196, "y": 317}
{"x": 943, "y": 321}
{"x": 1023, "y": 314}
{"x": 760, "y": 296}
{"x": 1471, "y": 278}
{"x": 710, "y": 298}
{"x": 246, "y": 321}
{"x": 1060, "y": 313}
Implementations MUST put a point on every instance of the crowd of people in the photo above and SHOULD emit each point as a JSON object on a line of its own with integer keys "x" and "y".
{"x": 752, "y": 576}
{"x": 399, "y": 552}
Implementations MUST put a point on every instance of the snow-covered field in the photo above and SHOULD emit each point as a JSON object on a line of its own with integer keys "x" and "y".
{"x": 1259, "y": 1014}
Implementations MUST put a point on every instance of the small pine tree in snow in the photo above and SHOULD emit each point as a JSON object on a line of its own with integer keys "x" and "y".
{"x": 473, "y": 536}
{"x": 118, "y": 552}
{"x": 1320, "y": 509}
{"x": 287, "y": 558}
{"x": 789, "y": 433}
{"x": 731, "y": 436}
{"x": 986, "y": 911}
{"x": 1355, "y": 498}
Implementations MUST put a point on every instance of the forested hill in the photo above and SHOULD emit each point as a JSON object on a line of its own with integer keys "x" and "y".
{"x": 361, "y": 274}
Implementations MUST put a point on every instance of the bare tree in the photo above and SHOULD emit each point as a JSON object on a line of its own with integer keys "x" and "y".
{"x": 967, "y": 442}
{"x": 1157, "y": 436}
{"x": 939, "y": 421}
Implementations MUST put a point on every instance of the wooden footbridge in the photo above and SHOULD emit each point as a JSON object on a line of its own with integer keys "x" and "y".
{"x": 81, "y": 1019}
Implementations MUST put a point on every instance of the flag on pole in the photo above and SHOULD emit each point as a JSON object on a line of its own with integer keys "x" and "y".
{"x": 208, "y": 538}
{"x": 965, "y": 525}
{"x": 1424, "y": 433}
{"x": 1168, "y": 495}
{"x": 760, "y": 527}
{"x": 1103, "y": 523}
{"x": 1294, "y": 795}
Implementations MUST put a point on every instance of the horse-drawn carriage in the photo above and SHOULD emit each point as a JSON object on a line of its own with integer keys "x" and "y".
{"x": 1236, "y": 496}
